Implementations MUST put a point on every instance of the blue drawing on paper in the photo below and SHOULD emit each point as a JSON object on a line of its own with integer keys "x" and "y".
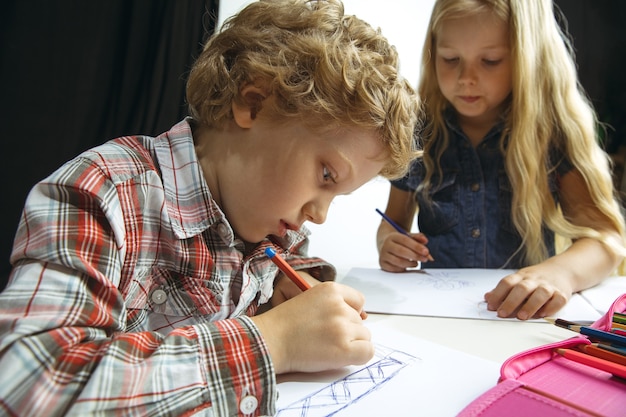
{"x": 340, "y": 394}
{"x": 442, "y": 280}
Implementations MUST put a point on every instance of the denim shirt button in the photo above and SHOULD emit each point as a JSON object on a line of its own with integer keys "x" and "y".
{"x": 475, "y": 186}
{"x": 475, "y": 233}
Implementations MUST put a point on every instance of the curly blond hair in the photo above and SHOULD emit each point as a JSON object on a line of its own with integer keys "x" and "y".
{"x": 324, "y": 68}
{"x": 547, "y": 109}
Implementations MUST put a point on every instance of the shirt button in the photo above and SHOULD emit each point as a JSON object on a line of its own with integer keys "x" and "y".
{"x": 475, "y": 233}
{"x": 158, "y": 296}
{"x": 475, "y": 187}
{"x": 248, "y": 404}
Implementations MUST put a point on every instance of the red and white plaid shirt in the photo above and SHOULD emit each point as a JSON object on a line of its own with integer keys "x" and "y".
{"x": 130, "y": 293}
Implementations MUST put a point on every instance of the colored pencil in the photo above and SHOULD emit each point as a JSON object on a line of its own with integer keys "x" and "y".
{"x": 596, "y": 334}
{"x": 618, "y": 331}
{"x": 598, "y": 363}
{"x": 595, "y": 350}
{"x": 563, "y": 323}
{"x": 399, "y": 228}
{"x": 619, "y": 318}
{"x": 617, "y": 325}
{"x": 612, "y": 348}
{"x": 287, "y": 269}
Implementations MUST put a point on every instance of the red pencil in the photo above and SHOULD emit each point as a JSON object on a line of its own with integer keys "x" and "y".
{"x": 287, "y": 269}
{"x": 620, "y": 332}
{"x": 595, "y": 350}
{"x": 598, "y": 363}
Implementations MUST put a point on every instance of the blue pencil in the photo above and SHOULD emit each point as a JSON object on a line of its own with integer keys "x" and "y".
{"x": 596, "y": 334}
{"x": 603, "y": 336}
{"x": 392, "y": 223}
{"x": 398, "y": 228}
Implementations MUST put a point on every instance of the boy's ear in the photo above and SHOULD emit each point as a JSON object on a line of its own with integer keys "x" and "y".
{"x": 245, "y": 113}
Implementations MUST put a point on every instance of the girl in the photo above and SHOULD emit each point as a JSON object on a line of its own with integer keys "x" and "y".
{"x": 510, "y": 160}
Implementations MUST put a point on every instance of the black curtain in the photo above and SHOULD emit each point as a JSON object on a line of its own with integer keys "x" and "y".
{"x": 599, "y": 38}
{"x": 74, "y": 74}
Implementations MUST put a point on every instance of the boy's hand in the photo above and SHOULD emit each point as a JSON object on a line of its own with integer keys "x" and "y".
{"x": 285, "y": 289}
{"x": 318, "y": 330}
{"x": 399, "y": 251}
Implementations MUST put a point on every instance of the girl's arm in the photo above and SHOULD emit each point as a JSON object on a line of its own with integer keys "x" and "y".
{"x": 543, "y": 289}
{"x": 588, "y": 260}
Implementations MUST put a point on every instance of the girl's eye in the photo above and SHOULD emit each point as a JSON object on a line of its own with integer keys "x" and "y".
{"x": 450, "y": 60}
{"x": 327, "y": 175}
{"x": 492, "y": 62}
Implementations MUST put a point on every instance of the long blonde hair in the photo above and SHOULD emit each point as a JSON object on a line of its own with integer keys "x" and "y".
{"x": 548, "y": 109}
{"x": 324, "y": 67}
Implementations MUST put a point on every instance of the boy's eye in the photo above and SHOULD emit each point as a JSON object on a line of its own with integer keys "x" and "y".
{"x": 327, "y": 175}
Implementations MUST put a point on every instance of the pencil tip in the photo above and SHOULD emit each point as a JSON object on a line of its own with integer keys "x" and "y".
{"x": 550, "y": 320}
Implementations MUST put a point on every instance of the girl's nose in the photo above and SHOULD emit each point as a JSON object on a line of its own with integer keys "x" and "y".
{"x": 467, "y": 74}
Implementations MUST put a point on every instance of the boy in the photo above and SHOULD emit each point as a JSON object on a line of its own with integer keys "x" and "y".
{"x": 139, "y": 266}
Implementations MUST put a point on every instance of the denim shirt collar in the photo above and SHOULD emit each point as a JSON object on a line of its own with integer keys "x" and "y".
{"x": 451, "y": 120}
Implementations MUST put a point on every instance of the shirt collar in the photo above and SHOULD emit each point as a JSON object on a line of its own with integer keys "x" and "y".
{"x": 189, "y": 204}
{"x": 451, "y": 120}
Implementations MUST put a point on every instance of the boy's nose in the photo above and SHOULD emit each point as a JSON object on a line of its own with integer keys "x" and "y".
{"x": 316, "y": 211}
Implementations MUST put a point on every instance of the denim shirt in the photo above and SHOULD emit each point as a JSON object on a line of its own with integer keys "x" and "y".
{"x": 469, "y": 222}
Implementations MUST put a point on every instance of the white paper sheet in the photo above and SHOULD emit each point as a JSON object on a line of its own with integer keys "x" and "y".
{"x": 407, "y": 377}
{"x": 455, "y": 293}
{"x": 602, "y": 295}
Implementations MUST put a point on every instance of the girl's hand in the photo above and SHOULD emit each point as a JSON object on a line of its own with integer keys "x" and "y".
{"x": 532, "y": 292}
{"x": 399, "y": 251}
{"x": 318, "y": 330}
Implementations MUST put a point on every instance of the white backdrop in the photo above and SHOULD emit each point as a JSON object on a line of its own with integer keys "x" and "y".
{"x": 348, "y": 237}
{"x": 403, "y": 22}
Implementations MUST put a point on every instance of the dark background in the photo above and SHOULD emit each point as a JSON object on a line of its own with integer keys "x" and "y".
{"x": 74, "y": 74}
{"x": 598, "y": 31}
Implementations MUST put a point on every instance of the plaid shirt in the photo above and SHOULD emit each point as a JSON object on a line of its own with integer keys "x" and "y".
{"x": 130, "y": 293}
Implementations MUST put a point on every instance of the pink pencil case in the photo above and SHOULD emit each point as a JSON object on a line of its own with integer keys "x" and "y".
{"x": 539, "y": 382}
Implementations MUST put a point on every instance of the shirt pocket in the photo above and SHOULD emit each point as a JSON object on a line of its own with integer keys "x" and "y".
{"x": 169, "y": 293}
{"x": 505, "y": 196}
{"x": 441, "y": 214}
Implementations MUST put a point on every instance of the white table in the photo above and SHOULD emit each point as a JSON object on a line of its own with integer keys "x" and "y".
{"x": 488, "y": 339}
